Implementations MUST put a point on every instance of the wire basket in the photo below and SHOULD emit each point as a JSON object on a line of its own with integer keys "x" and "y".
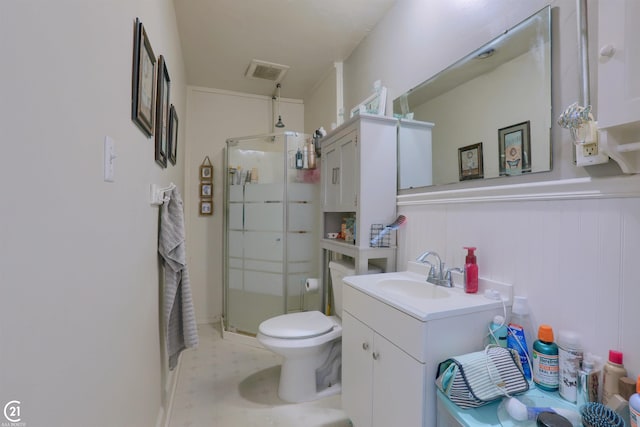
{"x": 375, "y": 238}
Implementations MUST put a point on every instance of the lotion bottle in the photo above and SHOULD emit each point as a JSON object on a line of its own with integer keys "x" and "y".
{"x": 613, "y": 370}
{"x": 470, "y": 271}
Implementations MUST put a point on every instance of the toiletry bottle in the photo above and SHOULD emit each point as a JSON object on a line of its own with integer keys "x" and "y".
{"x": 569, "y": 360}
{"x": 520, "y": 333}
{"x": 612, "y": 372}
{"x": 299, "y": 161}
{"x": 311, "y": 155}
{"x": 498, "y": 331}
{"x": 587, "y": 382}
{"x": 305, "y": 156}
{"x": 634, "y": 405}
{"x": 470, "y": 272}
{"x": 545, "y": 360}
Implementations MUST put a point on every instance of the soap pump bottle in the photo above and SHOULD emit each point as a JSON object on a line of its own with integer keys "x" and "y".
{"x": 470, "y": 271}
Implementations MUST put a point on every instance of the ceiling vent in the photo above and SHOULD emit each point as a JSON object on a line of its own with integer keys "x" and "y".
{"x": 266, "y": 71}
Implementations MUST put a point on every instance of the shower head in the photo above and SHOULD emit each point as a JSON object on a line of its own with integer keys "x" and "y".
{"x": 279, "y": 123}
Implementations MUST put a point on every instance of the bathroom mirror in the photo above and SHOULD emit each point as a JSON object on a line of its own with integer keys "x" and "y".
{"x": 499, "y": 96}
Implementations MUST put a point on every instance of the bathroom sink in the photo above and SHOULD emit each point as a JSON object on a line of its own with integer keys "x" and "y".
{"x": 409, "y": 292}
{"x": 412, "y": 288}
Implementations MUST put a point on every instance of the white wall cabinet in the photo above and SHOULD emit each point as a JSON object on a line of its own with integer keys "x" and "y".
{"x": 359, "y": 179}
{"x": 619, "y": 81}
{"x": 375, "y": 371}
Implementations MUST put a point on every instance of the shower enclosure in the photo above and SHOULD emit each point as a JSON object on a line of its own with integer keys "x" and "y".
{"x": 271, "y": 230}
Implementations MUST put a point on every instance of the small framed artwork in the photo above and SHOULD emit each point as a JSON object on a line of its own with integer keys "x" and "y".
{"x": 470, "y": 163}
{"x": 206, "y": 172}
{"x": 173, "y": 135}
{"x": 206, "y": 190}
{"x": 514, "y": 149}
{"x": 162, "y": 113}
{"x": 143, "y": 87}
{"x": 206, "y": 207}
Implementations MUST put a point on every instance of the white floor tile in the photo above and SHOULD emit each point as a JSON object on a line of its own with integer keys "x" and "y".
{"x": 227, "y": 384}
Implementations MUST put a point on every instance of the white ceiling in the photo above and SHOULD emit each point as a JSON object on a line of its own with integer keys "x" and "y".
{"x": 220, "y": 38}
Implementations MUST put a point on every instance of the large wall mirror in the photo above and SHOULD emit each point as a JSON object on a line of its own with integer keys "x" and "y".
{"x": 489, "y": 114}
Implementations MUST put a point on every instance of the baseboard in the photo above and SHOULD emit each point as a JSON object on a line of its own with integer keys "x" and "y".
{"x": 164, "y": 417}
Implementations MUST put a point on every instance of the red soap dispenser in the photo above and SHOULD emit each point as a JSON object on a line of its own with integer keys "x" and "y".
{"x": 470, "y": 272}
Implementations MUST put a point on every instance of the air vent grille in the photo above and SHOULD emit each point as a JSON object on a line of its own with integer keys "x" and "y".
{"x": 266, "y": 71}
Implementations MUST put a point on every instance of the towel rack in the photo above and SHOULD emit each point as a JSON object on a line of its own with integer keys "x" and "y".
{"x": 157, "y": 196}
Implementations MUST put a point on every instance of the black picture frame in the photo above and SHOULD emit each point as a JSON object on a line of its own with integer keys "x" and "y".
{"x": 514, "y": 149}
{"x": 143, "y": 88}
{"x": 173, "y": 135}
{"x": 470, "y": 162}
{"x": 162, "y": 113}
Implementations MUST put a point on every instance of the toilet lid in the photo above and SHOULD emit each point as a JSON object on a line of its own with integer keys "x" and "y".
{"x": 306, "y": 324}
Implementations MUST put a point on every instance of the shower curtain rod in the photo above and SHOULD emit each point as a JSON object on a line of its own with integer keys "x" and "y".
{"x": 263, "y": 135}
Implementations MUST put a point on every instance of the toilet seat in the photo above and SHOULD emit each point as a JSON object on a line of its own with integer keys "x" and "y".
{"x": 307, "y": 324}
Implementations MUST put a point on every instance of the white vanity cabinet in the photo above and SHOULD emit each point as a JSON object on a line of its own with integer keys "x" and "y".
{"x": 390, "y": 357}
{"x": 382, "y": 384}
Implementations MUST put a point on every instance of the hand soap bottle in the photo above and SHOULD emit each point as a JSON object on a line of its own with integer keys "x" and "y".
{"x": 470, "y": 272}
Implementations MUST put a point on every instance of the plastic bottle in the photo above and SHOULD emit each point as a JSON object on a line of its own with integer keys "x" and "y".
{"x": 498, "y": 328}
{"x": 588, "y": 381}
{"x": 545, "y": 360}
{"x": 520, "y": 333}
{"x": 634, "y": 405}
{"x": 612, "y": 372}
{"x": 570, "y": 356}
{"x": 470, "y": 272}
{"x": 299, "y": 161}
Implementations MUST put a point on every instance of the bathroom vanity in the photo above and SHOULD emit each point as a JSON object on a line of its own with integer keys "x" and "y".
{"x": 396, "y": 329}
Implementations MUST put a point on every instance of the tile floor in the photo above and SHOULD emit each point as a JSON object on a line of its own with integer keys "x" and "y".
{"x": 228, "y": 384}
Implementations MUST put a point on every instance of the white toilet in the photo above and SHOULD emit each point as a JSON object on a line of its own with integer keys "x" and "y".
{"x": 310, "y": 343}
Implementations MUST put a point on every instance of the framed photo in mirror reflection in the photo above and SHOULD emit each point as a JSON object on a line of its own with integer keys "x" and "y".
{"x": 514, "y": 149}
{"x": 470, "y": 162}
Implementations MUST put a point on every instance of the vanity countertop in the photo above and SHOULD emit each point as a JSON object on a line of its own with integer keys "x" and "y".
{"x": 409, "y": 292}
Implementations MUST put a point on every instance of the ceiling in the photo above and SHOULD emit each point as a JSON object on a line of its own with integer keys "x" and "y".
{"x": 220, "y": 38}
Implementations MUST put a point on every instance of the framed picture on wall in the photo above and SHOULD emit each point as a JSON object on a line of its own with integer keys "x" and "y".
{"x": 514, "y": 149}
{"x": 162, "y": 113}
{"x": 143, "y": 83}
{"x": 173, "y": 135}
{"x": 206, "y": 172}
{"x": 206, "y": 190}
{"x": 206, "y": 207}
{"x": 470, "y": 162}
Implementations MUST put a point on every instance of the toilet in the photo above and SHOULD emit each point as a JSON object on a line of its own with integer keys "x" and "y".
{"x": 310, "y": 343}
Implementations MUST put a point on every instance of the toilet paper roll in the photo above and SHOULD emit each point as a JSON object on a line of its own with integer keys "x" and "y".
{"x": 311, "y": 285}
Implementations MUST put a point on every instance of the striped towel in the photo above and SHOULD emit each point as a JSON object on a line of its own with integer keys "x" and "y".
{"x": 179, "y": 316}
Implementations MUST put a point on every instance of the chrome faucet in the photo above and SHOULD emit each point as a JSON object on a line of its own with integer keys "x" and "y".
{"x": 437, "y": 274}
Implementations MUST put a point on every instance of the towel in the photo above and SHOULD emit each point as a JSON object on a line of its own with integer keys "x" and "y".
{"x": 179, "y": 316}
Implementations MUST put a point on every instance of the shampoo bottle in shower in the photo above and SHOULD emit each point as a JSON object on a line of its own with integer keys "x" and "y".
{"x": 299, "y": 162}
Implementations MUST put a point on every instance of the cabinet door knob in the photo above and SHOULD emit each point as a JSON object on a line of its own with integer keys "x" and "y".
{"x": 375, "y": 355}
{"x": 607, "y": 51}
{"x": 365, "y": 346}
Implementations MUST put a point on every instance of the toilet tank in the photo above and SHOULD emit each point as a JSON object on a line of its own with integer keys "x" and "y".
{"x": 339, "y": 269}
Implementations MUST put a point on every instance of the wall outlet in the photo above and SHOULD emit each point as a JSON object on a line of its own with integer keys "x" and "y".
{"x": 589, "y": 153}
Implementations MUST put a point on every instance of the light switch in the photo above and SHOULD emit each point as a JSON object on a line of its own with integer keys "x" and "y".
{"x": 109, "y": 157}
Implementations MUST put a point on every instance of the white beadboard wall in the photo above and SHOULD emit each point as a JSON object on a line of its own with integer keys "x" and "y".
{"x": 573, "y": 254}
